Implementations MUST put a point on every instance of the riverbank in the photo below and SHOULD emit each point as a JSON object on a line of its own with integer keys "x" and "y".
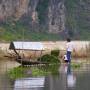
{"x": 82, "y": 49}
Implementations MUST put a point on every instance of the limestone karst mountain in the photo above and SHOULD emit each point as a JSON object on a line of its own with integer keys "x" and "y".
{"x": 61, "y": 17}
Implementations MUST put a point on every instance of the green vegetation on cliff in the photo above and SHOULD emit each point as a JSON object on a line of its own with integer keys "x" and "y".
{"x": 78, "y": 18}
{"x": 12, "y": 30}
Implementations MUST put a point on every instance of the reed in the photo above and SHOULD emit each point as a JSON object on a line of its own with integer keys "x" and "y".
{"x": 2, "y": 53}
{"x": 82, "y": 49}
{"x": 88, "y": 50}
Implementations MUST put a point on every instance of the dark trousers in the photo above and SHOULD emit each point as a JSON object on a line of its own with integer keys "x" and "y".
{"x": 69, "y": 56}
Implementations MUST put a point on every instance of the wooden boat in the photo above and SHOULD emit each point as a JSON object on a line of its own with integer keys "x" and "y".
{"x": 35, "y": 46}
{"x": 27, "y": 62}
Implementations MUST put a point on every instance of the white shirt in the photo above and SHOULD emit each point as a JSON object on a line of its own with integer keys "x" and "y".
{"x": 70, "y": 46}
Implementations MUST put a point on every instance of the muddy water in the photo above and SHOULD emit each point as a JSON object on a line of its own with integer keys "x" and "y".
{"x": 67, "y": 79}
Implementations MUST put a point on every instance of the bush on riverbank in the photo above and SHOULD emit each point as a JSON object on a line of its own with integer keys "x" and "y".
{"x": 49, "y": 59}
{"x": 53, "y": 58}
{"x": 55, "y": 52}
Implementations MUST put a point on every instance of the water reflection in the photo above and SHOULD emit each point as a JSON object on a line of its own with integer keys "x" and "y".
{"x": 57, "y": 78}
{"x": 5, "y": 82}
{"x": 71, "y": 78}
{"x": 66, "y": 80}
{"x": 36, "y": 83}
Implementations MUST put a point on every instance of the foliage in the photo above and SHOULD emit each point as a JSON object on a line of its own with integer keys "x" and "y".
{"x": 17, "y": 72}
{"x": 15, "y": 30}
{"x": 51, "y": 69}
{"x": 22, "y": 72}
{"x": 38, "y": 72}
{"x": 45, "y": 70}
{"x": 12, "y": 30}
{"x": 55, "y": 52}
{"x": 76, "y": 65}
{"x": 49, "y": 59}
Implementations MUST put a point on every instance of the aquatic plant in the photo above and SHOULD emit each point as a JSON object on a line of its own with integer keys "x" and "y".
{"x": 16, "y": 72}
{"x": 76, "y": 65}
{"x": 49, "y": 59}
{"x": 33, "y": 71}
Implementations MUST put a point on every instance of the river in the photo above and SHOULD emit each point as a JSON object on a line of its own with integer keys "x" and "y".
{"x": 67, "y": 78}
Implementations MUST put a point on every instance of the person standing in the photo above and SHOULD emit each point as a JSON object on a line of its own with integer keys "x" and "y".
{"x": 69, "y": 49}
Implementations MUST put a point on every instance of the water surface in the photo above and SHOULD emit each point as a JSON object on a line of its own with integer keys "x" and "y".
{"x": 64, "y": 78}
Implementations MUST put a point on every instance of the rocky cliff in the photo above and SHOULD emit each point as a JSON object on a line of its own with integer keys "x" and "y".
{"x": 13, "y": 8}
{"x": 78, "y": 18}
{"x": 41, "y": 14}
{"x": 65, "y": 18}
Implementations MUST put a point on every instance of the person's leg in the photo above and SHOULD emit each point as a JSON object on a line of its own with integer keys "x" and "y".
{"x": 69, "y": 56}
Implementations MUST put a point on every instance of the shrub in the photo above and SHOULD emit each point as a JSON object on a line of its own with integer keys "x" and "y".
{"x": 54, "y": 59}
{"x": 55, "y": 52}
{"x": 44, "y": 58}
{"x": 49, "y": 59}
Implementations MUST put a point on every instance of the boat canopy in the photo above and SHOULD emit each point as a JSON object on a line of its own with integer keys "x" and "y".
{"x": 26, "y": 45}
